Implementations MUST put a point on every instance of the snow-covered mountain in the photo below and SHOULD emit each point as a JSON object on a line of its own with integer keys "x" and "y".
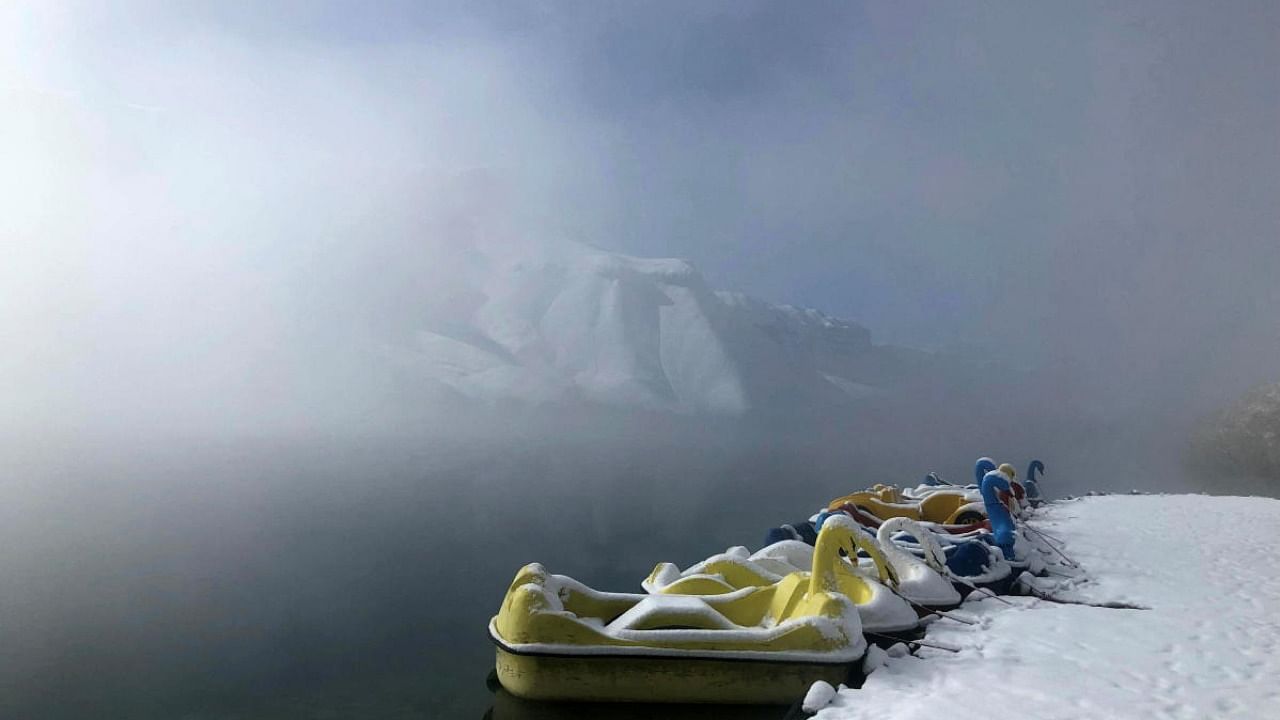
{"x": 557, "y": 322}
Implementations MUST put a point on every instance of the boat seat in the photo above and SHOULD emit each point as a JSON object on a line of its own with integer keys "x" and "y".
{"x": 940, "y": 506}
{"x": 658, "y": 612}
{"x": 784, "y": 557}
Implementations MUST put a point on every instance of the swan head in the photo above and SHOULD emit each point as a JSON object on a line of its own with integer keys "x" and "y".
{"x": 841, "y": 532}
{"x": 1035, "y": 467}
{"x": 1008, "y": 471}
{"x": 995, "y": 480}
{"x": 982, "y": 467}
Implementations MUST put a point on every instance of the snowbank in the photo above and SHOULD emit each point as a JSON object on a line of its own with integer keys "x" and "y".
{"x": 1208, "y": 569}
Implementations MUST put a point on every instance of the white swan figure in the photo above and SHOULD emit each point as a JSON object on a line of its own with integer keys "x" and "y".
{"x": 880, "y": 608}
{"x": 924, "y": 582}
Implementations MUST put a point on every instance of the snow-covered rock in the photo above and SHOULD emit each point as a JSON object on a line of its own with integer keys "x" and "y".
{"x": 562, "y": 321}
{"x": 820, "y": 695}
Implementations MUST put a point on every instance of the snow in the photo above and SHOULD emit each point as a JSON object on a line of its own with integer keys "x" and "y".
{"x": 667, "y": 607}
{"x": 785, "y": 557}
{"x": 1208, "y": 569}
{"x": 818, "y": 697}
{"x": 875, "y": 659}
{"x": 548, "y": 322}
{"x": 898, "y": 650}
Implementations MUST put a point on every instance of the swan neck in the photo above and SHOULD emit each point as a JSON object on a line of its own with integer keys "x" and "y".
{"x": 993, "y": 505}
{"x": 895, "y": 555}
{"x": 933, "y": 556}
{"x": 822, "y": 573}
{"x": 980, "y": 470}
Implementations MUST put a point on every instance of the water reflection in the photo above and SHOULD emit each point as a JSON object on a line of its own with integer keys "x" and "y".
{"x": 508, "y": 707}
{"x": 277, "y": 581}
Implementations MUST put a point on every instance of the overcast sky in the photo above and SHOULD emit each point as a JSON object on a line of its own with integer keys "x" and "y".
{"x": 1089, "y": 190}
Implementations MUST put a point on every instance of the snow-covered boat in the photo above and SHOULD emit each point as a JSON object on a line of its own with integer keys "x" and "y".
{"x": 1032, "y": 483}
{"x": 970, "y": 558}
{"x": 963, "y": 506}
{"x": 887, "y": 502}
{"x": 923, "y": 578}
{"x": 558, "y": 639}
{"x": 992, "y": 558}
{"x": 932, "y": 483}
{"x": 881, "y": 609}
{"x": 970, "y": 555}
{"x": 948, "y": 505}
{"x": 872, "y": 523}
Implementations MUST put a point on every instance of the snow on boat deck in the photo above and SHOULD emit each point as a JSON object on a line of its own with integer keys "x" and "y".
{"x": 1207, "y": 567}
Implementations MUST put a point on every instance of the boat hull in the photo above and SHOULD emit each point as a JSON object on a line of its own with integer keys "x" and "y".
{"x": 1002, "y": 586}
{"x": 650, "y": 679}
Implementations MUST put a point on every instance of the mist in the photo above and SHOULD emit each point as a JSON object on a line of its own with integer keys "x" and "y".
{"x": 225, "y": 228}
{"x": 226, "y": 207}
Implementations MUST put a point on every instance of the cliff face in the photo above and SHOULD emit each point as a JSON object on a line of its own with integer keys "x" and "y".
{"x": 563, "y": 322}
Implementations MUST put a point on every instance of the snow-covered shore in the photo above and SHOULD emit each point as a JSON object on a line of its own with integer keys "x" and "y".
{"x": 1208, "y": 645}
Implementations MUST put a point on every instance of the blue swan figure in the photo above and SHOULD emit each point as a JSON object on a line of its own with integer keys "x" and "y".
{"x": 983, "y": 466}
{"x": 1033, "y": 488}
{"x": 1001, "y": 521}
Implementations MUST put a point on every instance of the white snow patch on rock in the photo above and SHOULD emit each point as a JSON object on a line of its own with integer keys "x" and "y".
{"x": 562, "y": 321}
{"x": 818, "y": 697}
{"x": 875, "y": 659}
{"x": 898, "y": 650}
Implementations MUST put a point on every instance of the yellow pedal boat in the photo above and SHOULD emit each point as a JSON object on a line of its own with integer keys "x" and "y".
{"x": 880, "y": 608}
{"x": 945, "y": 507}
{"x": 558, "y": 639}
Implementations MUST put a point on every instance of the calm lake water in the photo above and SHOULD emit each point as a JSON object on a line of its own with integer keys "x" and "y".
{"x": 244, "y": 581}
{"x": 326, "y": 579}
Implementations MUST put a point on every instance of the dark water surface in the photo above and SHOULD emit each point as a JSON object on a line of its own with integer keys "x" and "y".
{"x": 305, "y": 580}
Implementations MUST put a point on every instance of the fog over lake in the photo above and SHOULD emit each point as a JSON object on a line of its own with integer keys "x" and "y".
{"x": 278, "y": 577}
{"x": 320, "y": 320}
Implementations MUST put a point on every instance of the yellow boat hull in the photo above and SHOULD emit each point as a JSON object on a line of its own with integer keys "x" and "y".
{"x": 649, "y": 679}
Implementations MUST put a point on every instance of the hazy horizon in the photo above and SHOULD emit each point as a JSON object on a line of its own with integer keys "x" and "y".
{"x": 226, "y": 228}
{"x": 227, "y": 208}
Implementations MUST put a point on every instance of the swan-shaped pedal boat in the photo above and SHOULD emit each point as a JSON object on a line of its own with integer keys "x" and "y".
{"x": 558, "y": 639}
{"x": 925, "y": 580}
{"x": 881, "y": 502}
{"x": 942, "y": 505}
{"x": 1021, "y": 554}
{"x": 969, "y": 559}
{"x": 991, "y": 558}
{"x": 881, "y": 610}
{"x": 932, "y": 483}
{"x": 1033, "y": 484}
